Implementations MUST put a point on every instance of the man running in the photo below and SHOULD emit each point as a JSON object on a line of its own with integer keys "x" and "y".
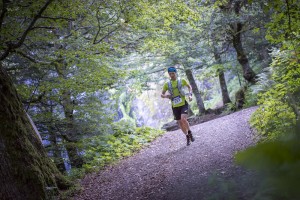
{"x": 179, "y": 104}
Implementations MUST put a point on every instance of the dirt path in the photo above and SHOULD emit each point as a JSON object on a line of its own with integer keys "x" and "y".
{"x": 170, "y": 170}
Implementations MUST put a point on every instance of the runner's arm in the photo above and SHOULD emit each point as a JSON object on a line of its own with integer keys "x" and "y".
{"x": 163, "y": 93}
{"x": 190, "y": 89}
{"x": 188, "y": 86}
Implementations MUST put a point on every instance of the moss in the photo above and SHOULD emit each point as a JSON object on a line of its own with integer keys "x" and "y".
{"x": 67, "y": 194}
{"x": 24, "y": 162}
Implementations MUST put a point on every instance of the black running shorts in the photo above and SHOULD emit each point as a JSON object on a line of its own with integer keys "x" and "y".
{"x": 177, "y": 111}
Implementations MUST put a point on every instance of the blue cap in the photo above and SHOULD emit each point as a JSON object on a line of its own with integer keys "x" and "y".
{"x": 172, "y": 69}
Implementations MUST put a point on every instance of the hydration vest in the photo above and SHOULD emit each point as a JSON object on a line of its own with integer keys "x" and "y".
{"x": 179, "y": 86}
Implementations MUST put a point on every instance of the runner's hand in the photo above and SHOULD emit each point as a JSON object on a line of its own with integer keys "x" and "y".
{"x": 166, "y": 96}
{"x": 190, "y": 98}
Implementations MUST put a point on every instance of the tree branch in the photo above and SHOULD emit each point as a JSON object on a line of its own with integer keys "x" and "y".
{"x": 42, "y": 27}
{"x": 30, "y": 58}
{"x": 11, "y": 46}
{"x": 100, "y": 40}
{"x": 3, "y": 11}
{"x": 100, "y": 27}
{"x": 57, "y": 18}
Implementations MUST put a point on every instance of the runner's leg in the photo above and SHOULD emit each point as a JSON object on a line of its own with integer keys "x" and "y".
{"x": 182, "y": 126}
{"x": 177, "y": 114}
{"x": 185, "y": 122}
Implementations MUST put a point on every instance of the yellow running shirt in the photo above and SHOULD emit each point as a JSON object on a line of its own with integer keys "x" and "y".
{"x": 177, "y": 99}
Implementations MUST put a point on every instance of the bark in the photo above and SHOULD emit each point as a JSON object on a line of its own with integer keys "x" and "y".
{"x": 237, "y": 28}
{"x": 58, "y": 160}
{"x": 34, "y": 127}
{"x": 240, "y": 98}
{"x": 12, "y": 45}
{"x": 236, "y": 31}
{"x": 75, "y": 159}
{"x": 222, "y": 81}
{"x": 195, "y": 90}
{"x": 242, "y": 58}
{"x": 26, "y": 172}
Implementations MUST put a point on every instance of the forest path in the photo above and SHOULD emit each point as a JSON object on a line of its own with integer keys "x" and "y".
{"x": 168, "y": 169}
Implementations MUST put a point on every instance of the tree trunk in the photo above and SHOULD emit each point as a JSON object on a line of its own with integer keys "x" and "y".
{"x": 195, "y": 90}
{"x": 75, "y": 159}
{"x": 237, "y": 29}
{"x": 26, "y": 172}
{"x": 225, "y": 95}
{"x": 248, "y": 73}
{"x": 58, "y": 159}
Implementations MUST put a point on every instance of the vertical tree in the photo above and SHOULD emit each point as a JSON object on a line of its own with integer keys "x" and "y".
{"x": 236, "y": 30}
{"x": 221, "y": 75}
{"x": 25, "y": 167}
{"x": 190, "y": 77}
{"x": 26, "y": 172}
{"x": 73, "y": 42}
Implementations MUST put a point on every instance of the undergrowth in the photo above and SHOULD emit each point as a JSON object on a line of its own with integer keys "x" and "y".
{"x": 104, "y": 150}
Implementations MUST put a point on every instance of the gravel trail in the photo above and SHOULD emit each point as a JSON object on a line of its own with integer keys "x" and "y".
{"x": 169, "y": 170}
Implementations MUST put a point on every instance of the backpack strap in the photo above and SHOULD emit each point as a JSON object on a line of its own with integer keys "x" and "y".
{"x": 170, "y": 88}
{"x": 179, "y": 86}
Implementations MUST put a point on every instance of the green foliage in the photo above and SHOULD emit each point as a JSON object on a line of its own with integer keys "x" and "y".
{"x": 277, "y": 163}
{"x": 229, "y": 108}
{"x": 123, "y": 127}
{"x": 75, "y": 189}
{"x": 233, "y": 86}
{"x": 250, "y": 98}
{"x": 125, "y": 104}
{"x": 212, "y": 103}
{"x": 285, "y": 13}
{"x": 277, "y": 160}
{"x": 125, "y": 140}
{"x": 276, "y": 112}
{"x": 279, "y": 87}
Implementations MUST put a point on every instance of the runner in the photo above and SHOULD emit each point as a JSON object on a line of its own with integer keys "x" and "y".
{"x": 179, "y": 104}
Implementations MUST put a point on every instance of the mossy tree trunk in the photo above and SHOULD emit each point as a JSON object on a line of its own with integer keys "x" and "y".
{"x": 195, "y": 90}
{"x": 236, "y": 33}
{"x": 242, "y": 58}
{"x": 26, "y": 172}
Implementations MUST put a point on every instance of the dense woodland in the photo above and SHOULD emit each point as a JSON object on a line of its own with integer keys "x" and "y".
{"x": 80, "y": 83}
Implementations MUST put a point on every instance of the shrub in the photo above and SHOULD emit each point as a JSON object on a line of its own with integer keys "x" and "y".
{"x": 279, "y": 104}
{"x": 104, "y": 150}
